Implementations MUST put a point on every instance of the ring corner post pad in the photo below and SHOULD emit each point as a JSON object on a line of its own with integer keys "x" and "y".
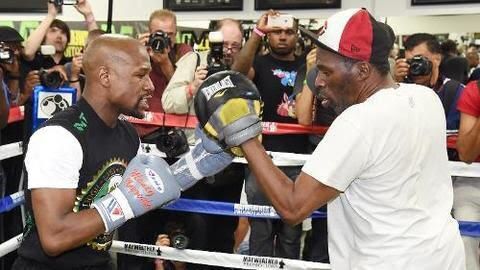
{"x": 48, "y": 101}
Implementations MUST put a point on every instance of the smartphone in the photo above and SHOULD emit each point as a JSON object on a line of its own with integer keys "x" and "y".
{"x": 59, "y": 3}
{"x": 282, "y": 20}
{"x": 47, "y": 50}
{"x": 70, "y": 2}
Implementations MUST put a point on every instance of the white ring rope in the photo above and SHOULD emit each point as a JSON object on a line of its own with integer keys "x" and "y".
{"x": 193, "y": 256}
{"x": 10, "y": 150}
{"x": 10, "y": 245}
{"x": 213, "y": 258}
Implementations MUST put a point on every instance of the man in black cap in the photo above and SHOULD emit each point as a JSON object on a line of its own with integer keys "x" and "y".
{"x": 7, "y": 57}
{"x": 10, "y": 95}
{"x": 381, "y": 168}
{"x": 11, "y": 45}
{"x": 18, "y": 87}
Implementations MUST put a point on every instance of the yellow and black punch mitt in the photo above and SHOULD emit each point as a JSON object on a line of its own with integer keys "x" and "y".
{"x": 229, "y": 109}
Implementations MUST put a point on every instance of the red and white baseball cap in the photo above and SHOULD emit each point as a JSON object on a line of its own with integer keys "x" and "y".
{"x": 354, "y": 33}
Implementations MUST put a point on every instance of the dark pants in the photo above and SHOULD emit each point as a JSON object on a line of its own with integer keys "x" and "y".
{"x": 227, "y": 187}
{"x": 26, "y": 264}
{"x": 271, "y": 237}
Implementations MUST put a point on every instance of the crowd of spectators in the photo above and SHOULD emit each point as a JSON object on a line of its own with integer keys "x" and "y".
{"x": 178, "y": 71}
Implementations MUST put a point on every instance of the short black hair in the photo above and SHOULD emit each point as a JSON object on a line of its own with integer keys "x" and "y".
{"x": 449, "y": 46}
{"x": 416, "y": 39}
{"x": 382, "y": 68}
{"x": 62, "y": 26}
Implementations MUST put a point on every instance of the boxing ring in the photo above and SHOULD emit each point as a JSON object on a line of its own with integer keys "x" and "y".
{"x": 219, "y": 208}
{"x": 186, "y": 205}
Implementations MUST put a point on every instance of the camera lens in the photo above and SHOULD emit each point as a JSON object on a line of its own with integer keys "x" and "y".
{"x": 179, "y": 241}
{"x": 419, "y": 66}
{"x": 159, "y": 41}
{"x": 417, "y": 69}
{"x": 51, "y": 79}
{"x": 173, "y": 143}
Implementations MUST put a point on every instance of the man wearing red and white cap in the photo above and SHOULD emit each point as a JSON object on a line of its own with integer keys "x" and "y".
{"x": 382, "y": 166}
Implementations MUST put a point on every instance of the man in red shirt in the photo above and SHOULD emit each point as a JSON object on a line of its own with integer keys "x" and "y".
{"x": 466, "y": 203}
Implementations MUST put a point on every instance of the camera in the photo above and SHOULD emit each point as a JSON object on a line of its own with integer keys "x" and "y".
{"x": 179, "y": 239}
{"x": 159, "y": 41}
{"x": 215, "y": 57}
{"x": 50, "y": 79}
{"x": 6, "y": 54}
{"x": 419, "y": 66}
{"x": 172, "y": 142}
{"x": 59, "y": 3}
{"x": 177, "y": 234}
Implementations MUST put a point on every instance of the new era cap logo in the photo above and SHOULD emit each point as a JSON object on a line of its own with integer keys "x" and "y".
{"x": 354, "y": 49}
{"x": 155, "y": 180}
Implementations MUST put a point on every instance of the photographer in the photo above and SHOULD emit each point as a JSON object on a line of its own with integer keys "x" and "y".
{"x": 19, "y": 88}
{"x": 174, "y": 236}
{"x": 193, "y": 68}
{"x": 164, "y": 240}
{"x": 11, "y": 48}
{"x": 164, "y": 53}
{"x": 11, "y": 94}
{"x": 54, "y": 32}
{"x": 421, "y": 65}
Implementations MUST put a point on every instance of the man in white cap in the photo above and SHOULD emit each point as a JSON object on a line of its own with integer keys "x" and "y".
{"x": 382, "y": 166}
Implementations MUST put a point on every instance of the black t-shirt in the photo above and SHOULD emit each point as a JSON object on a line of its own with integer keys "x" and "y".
{"x": 106, "y": 153}
{"x": 275, "y": 80}
{"x": 323, "y": 117}
{"x": 45, "y": 61}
